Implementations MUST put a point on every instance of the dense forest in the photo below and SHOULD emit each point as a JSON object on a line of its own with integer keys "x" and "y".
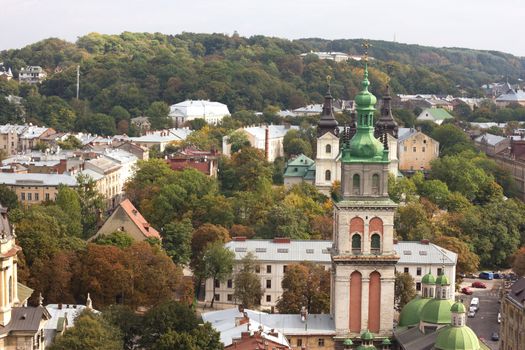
{"x": 132, "y": 70}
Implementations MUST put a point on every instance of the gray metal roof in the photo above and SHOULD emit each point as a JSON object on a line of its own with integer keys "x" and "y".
{"x": 490, "y": 139}
{"x": 37, "y": 179}
{"x": 25, "y": 319}
{"x": 318, "y": 251}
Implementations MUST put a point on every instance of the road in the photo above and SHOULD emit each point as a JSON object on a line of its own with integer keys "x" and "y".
{"x": 486, "y": 320}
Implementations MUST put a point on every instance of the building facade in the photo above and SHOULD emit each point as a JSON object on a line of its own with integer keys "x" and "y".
{"x": 212, "y": 112}
{"x": 31, "y": 75}
{"x": 416, "y": 150}
{"x": 513, "y": 317}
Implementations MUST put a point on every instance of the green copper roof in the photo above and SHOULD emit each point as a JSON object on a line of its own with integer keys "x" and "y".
{"x": 458, "y": 308}
{"x": 437, "y": 311}
{"x": 367, "y": 335}
{"x": 442, "y": 280}
{"x": 348, "y": 342}
{"x": 428, "y": 279}
{"x": 457, "y": 338}
{"x": 438, "y": 113}
{"x": 386, "y": 342}
{"x": 411, "y": 312}
{"x": 364, "y": 147}
{"x": 298, "y": 167}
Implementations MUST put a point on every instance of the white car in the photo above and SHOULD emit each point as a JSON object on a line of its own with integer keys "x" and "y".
{"x": 499, "y": 317}
{"x": 471, "y": 313}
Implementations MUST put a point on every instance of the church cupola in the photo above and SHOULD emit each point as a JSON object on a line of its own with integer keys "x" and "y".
{"x": 327, "y": 123}
{"x": 442, "y": 287}
{"x": 363, "y": 146}
{"x": 386, "y": 122}
{"x": 458, "y": 314}
{"x": 428, "y": 284}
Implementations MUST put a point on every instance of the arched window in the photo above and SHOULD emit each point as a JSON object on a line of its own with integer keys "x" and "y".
{"x": 356, "y": 244}
{"x": 356, "y": 184}
{"x": 375, "y": 243}
{"x": 328, "y": 175}
{"x": 375, "y": 184}
{"x": 328, "y": 149}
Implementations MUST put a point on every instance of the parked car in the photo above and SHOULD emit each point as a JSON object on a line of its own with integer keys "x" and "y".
{"x": 485, "y": 275}
{"x": 478, "y": 284}
{"x": 466, "y": 290}
{"x": 494, "y": 336}
{"x": 498, "y": 276}
{"x": 471, "y": 313}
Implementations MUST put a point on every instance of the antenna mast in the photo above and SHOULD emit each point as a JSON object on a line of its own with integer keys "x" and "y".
{"x": 78, "y": 80}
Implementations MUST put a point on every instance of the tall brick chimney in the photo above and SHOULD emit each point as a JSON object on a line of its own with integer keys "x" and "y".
{"x": 267, "y": 143}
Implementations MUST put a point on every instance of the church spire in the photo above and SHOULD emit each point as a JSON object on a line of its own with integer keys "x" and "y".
{"x": 386, "y": 122}
{"x": 327, "y": 123}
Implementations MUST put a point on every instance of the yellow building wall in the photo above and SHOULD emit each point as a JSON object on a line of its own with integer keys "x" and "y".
{"x": 311, "y": 342}
{"x": 416, "y": 152}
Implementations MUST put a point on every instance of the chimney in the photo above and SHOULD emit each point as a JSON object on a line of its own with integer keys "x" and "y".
{"x": 425, "y": 241}
{"x": 239, "y": 239}
{"x": 281, "y": 240}
{"x": 304, "y": 314}
{"x": 267, "y": 142}
{"x": 395, "y": 241}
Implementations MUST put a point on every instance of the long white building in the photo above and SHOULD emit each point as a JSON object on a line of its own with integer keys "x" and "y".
{"x": 211, "y": 112}
{"x": 274, "y": 256}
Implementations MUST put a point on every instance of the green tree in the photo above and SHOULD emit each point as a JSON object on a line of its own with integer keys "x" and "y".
{"x": 118, "y": 239}
{"x": 452, "y": 140}
{"x": 217, "y": 263}
{"x": 127, "y": 321}
{"x": 157, "y": 114}
{"x": 518, "y": 262}
{"x": 305, "y": 285}
{"x": 176, "y": 240}
{"x": 238, "y": 140}
{"x": 285, "y": 221}
{"x": 91, "y": 204}
{"x": 404, "y": 290}
{"x": 468, "y": 261}
{"x": 90, "y": 332}
{"x": 247, "y": 170}
{"x": 8, "y": 197}
{"x": 247, "y": 283}
{"x": 68, "y": 200}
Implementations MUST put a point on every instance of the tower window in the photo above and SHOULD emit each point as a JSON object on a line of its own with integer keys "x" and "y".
{"x": 375, "y": 184}
{"x": 328, "y": 175}
{"x": 375, "y": 243}
{"x": 356, "y": 184}
{"x": 356, "y": 244}
{"x": 328, "y": 149}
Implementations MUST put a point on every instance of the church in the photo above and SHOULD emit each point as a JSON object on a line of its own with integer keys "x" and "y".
{"x": 363, "y": 258}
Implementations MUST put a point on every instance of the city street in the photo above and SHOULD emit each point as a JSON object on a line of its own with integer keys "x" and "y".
{"x": 486, "y": 320}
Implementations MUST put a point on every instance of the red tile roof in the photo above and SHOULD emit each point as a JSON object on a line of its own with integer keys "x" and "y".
{"x": 139, "y": 220}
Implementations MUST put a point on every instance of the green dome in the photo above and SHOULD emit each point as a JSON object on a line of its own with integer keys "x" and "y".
{"x": 348, "y": 342}
{"x": 458, "y": 308}
{"x": 365, "y": 145}
{"x": 411, "y": 312}
{"x": 367, "y": 335}
{"x": 386, "y": 342}
{"x": 442, "y": 280}
{"x": 428, "y": 279}
{"x": 457, "y": 338}
{"x": 437, "y": 311}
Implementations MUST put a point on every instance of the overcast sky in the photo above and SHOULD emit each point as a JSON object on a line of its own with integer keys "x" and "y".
{"x": 479, "y": 24}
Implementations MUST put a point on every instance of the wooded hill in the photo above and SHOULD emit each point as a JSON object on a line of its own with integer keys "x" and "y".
{"x": 134, "y": 69}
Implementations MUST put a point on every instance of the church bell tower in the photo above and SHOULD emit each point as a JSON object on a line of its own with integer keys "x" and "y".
{"x": 363, "y": 255}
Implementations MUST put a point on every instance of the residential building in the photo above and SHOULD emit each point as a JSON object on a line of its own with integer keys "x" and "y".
{"x": 211, "y": 112}
{"x": 267, "y": 138}
{"x": 31, "y": 75}
{"x": 512, "y": 96}
{"x": 9, "y": 138}
{"x": 492, "y": 144}
{"x": 138, "y": 151}
{"x": 127, "y": 218}
{"x": 203, "y": 161}
{"x": 161, "y": 138}
{"x": 513, "y": 317}
{"x": 436, "y": 115}
{"x": 32, "y": 135}
{"x": 110, "y": 184}
{"x": 273, "y": 256}
{"x": 416, "y": 150}
{"x": 6, "y": 74}
{"x": 142, "y": 124}
{"x": 332, "y": 56}
{"x": 240, "y": 330}
{"x": 299, "y": 169}
{"x": 22, "y": 138}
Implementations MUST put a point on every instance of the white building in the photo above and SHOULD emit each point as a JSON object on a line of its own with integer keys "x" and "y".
{"x": 211, "y": 112}
{"x": 31, "y": 75}
{"x": 161, "y": 138}
{"x": 274, "y": 256}
{"x": 267, "y": 138}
